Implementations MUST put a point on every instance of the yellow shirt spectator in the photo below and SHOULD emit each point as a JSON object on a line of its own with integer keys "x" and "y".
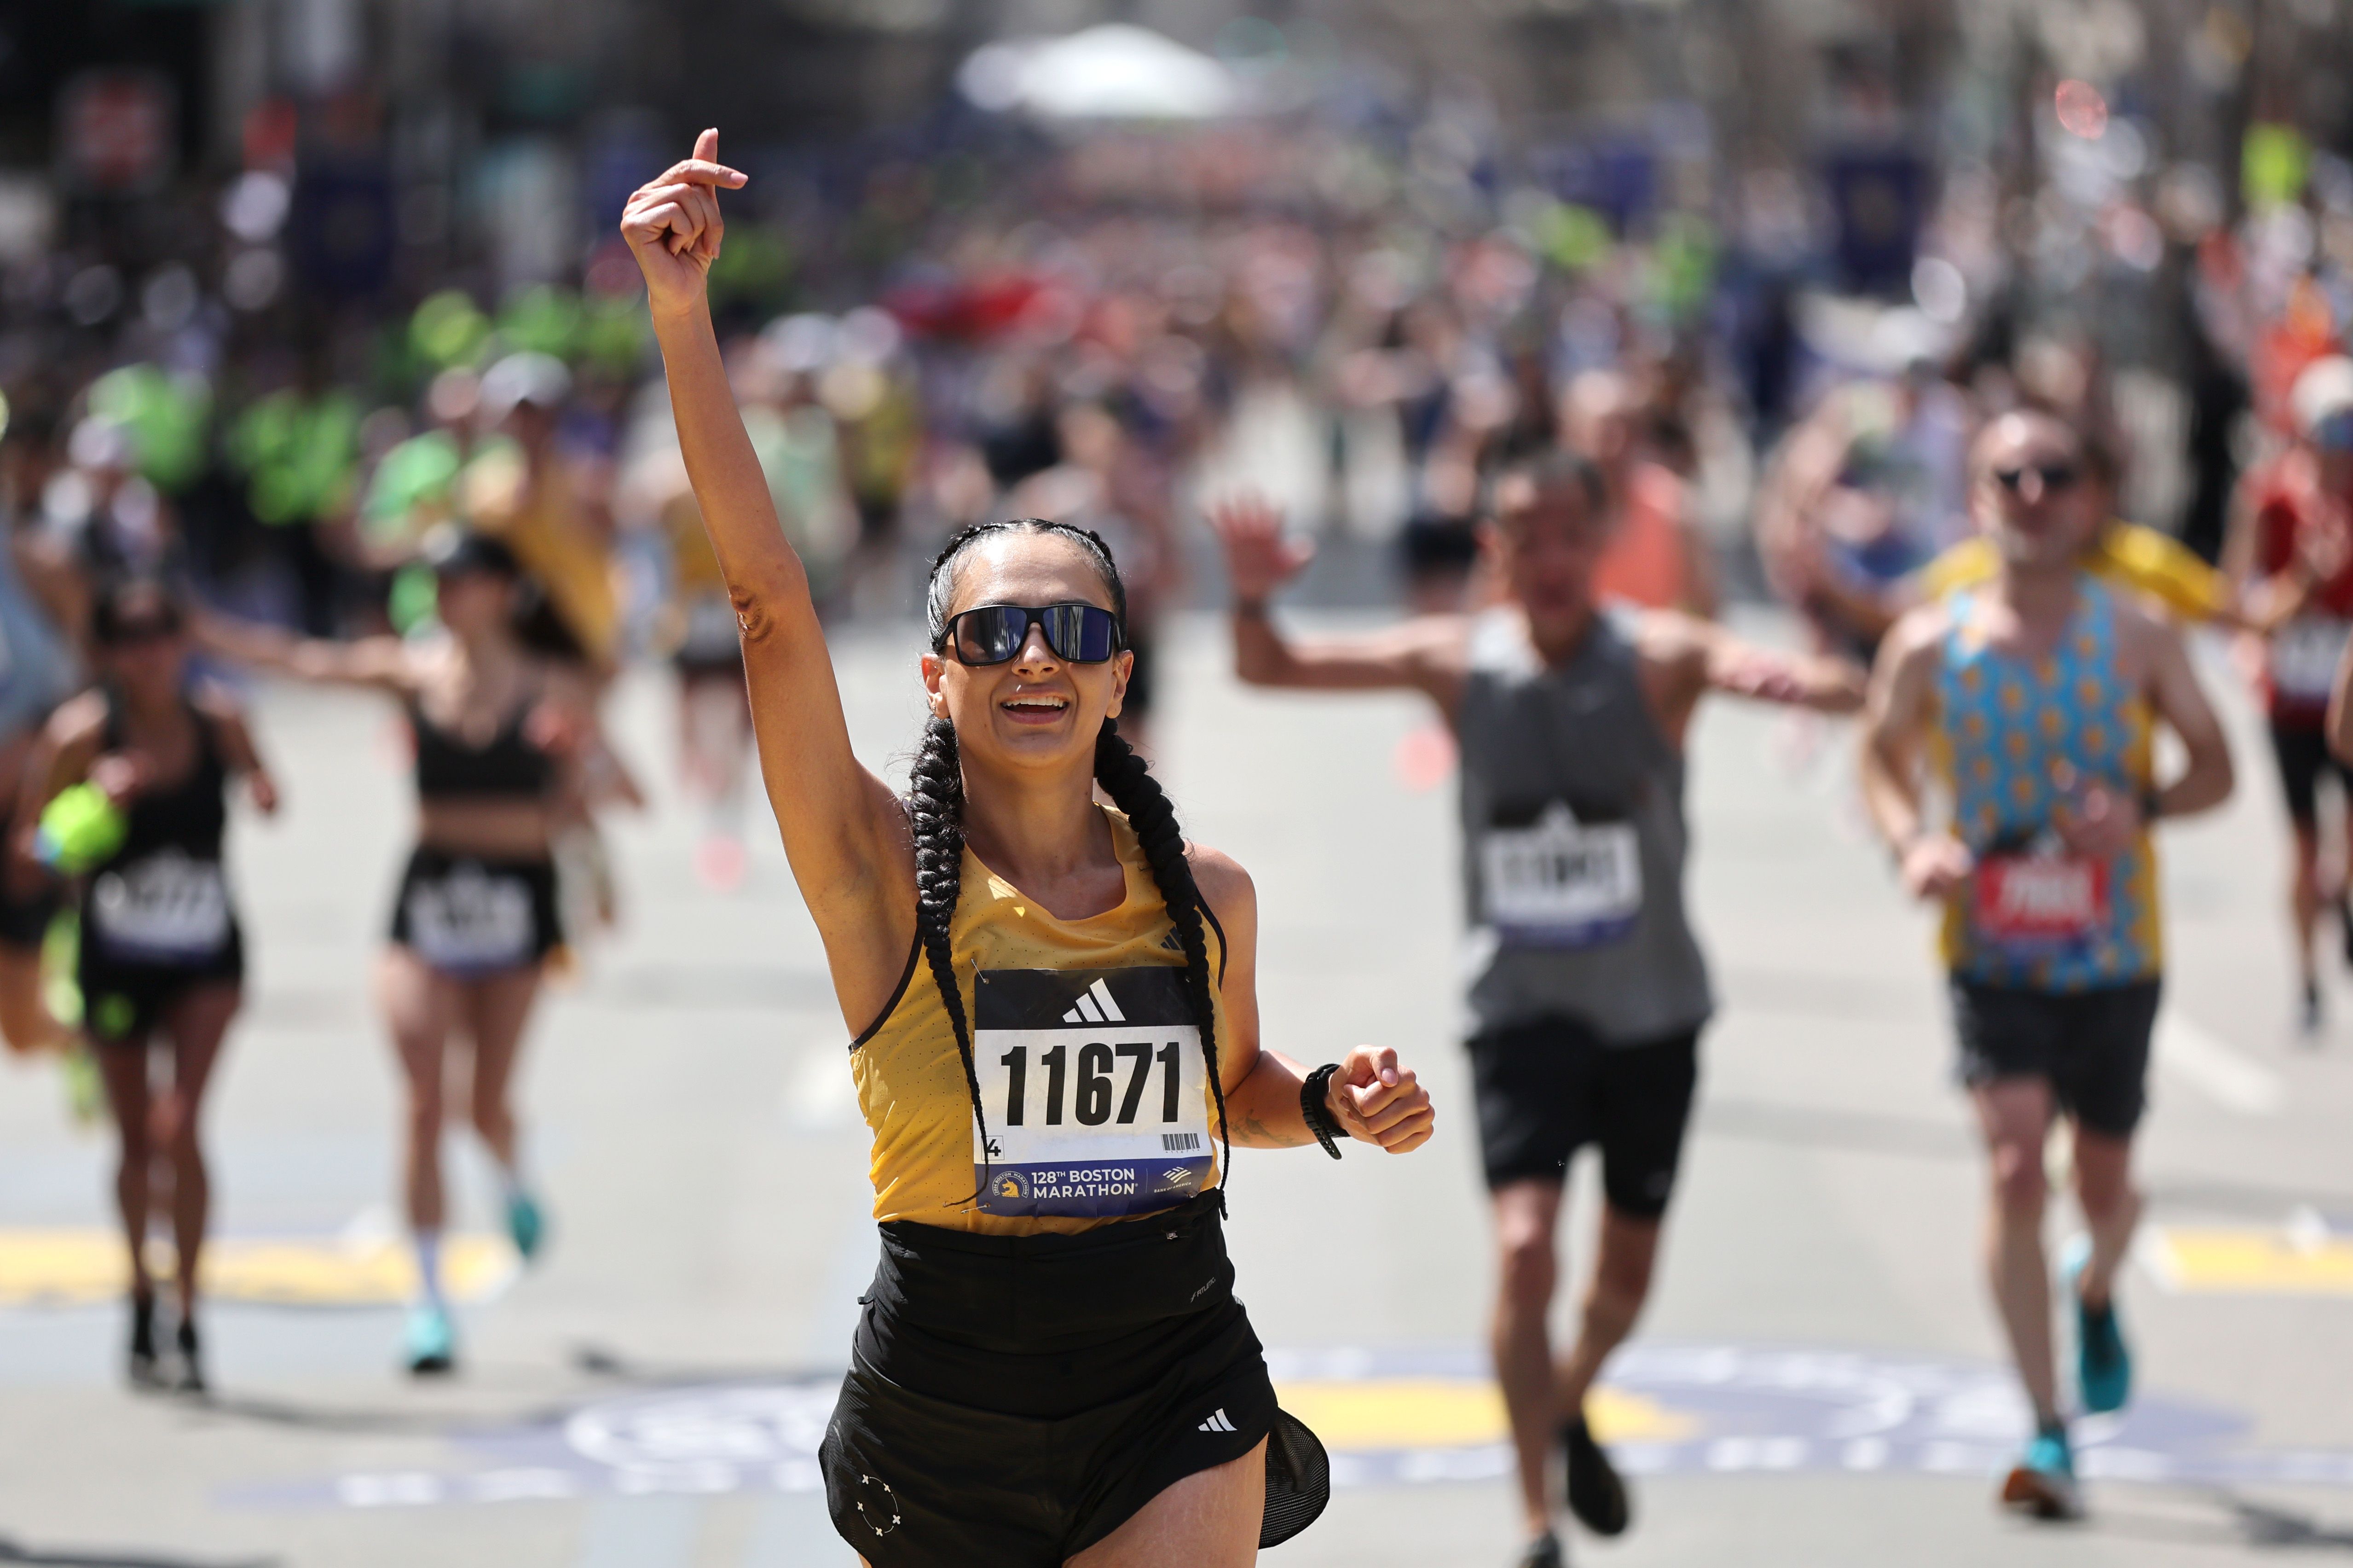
{"x": 2142, "y": 559}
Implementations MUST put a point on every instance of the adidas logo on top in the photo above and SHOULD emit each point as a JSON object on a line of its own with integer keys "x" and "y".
{"x": 1096, "y": 1007}
{"x": 1217, "y": 1423}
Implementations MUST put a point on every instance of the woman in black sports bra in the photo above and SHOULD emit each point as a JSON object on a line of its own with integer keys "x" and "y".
{"x": 501, "y": 737}
{"x": 1057, "y": 1042}
{"x": 161, "y": 960}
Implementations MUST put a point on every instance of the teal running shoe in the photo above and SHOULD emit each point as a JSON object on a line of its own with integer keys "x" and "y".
{"x": 526, "y": 1225}
{"x": 2103, "y": 1360}
{"x": 2042, "y": 1482}
{"x": 430, "y": 1342}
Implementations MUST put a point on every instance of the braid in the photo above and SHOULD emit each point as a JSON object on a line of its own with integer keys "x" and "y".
{"x": 936, "y": 810}
{"x": 1133, "y": 789}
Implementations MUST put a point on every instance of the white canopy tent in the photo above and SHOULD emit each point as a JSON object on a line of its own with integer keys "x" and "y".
{"x": 1116, "y": 71}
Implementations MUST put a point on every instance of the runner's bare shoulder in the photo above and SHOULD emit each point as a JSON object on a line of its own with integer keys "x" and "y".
{"x": 2144, "y": 631}
{"x": 216, "y": 702}
{"x": 1916, "y": 637}
{"x": 1225, "y": 885}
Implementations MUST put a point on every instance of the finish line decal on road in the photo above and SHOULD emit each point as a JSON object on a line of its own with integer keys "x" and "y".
{"x": 82, "y": 1266}
{"x": 1396, "y": 1417}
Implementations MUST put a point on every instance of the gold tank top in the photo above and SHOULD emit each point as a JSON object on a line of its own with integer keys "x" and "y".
{"x": 1089, "y": 1059}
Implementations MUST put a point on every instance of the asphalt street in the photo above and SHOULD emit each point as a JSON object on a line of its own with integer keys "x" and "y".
{"x": 1816, "y": 1383}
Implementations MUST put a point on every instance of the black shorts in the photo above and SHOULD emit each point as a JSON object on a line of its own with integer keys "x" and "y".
{"x": 1013, "y": 1400}
{"x": 1546, "y": 1089}
{"x": 2091, "y": 1047}
{"x": 2303, "y": 753}
{"x": 122, "y": 999}
{"x": 468, "y": 916}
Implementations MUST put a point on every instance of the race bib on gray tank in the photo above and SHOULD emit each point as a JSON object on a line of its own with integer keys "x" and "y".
{"x": 1094, "y": 1083}
{"x": 1561, "y": 883}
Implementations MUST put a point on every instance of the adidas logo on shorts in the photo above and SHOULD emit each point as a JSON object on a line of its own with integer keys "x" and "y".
{"x": 1217, "y": 1423}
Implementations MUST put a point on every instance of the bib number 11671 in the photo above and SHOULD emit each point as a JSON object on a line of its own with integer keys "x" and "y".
{"x": 1094, "y": 1091}
{"x": 1098, "y": 1084}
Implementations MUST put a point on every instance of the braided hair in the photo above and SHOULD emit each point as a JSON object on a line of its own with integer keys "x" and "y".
{"x": 935, "y": 815}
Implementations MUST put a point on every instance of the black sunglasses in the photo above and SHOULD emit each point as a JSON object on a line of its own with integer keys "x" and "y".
{"x": 993, "y": 634}
{"x": 2056, "y": 476}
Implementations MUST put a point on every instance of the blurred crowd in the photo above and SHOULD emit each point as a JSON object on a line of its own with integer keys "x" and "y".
{"x": 1117, "y": 326}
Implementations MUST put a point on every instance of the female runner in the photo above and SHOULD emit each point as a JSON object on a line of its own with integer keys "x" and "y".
{"x": 161, "y": 959}
{"x": 475, "y": 921}
{"x": 1056, "y": 1017}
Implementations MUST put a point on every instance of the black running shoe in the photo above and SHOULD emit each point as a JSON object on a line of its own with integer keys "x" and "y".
{"x": 190, "y": 1378}
{"x": 1595, "y": 1493}
{"x": 144, "y": 1372}
{"x": 1544, "y": 1551}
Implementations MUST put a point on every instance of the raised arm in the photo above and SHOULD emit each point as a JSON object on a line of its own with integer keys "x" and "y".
{"x": 843, "y": 830}
{"x": 1685, "y": 658}
{"x": 377, "y": 664}
{"x": 1423, "y": 655}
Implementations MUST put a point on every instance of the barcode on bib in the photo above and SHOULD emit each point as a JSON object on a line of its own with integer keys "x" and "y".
{"x": 1173, "y": 1141}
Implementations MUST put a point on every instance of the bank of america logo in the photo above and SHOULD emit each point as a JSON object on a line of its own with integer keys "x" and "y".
{"x": 1217, "y": 1423}
{"x": 1096, "y": 1007}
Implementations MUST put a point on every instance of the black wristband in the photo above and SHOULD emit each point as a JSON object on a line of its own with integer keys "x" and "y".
{"x": 2152, "y": 806}
{"x": 1312, "y": 1108}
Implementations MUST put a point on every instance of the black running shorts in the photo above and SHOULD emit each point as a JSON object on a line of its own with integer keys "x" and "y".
{"x": 1546, "y": 1089}
{"x": 2302, "y": 752}
{"x": 1013, "y": 1400}
{"x": 2092, "y": 1046}
{"x": 123, "y": 999}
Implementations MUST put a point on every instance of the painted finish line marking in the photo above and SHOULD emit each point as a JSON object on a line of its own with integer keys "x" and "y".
{"x": 77, "y": 1267}
{"x": 1393, "y": 1417}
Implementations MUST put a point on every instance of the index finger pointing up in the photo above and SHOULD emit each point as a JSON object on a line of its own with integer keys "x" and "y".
{"x": 705, "y": 167}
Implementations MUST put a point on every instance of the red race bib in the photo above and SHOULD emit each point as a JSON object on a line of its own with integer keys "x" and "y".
{"x": 2041, "y": 903}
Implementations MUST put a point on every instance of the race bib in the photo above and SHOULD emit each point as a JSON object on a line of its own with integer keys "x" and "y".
{"x": 165, "y": 908}
{"x": 2036, "y": 905}
{"x": 1094, "y": 1083}
{"x": 2304, "y": 658}
{"x": 1562, "y": 883}
{"x": 471, "y": 919}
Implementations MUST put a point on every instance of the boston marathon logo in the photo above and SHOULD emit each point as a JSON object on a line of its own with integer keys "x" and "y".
{"x": 1094, "y": 1088}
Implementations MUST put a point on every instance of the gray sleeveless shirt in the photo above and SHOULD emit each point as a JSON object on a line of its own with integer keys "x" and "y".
{"x": 1573, "y": 843}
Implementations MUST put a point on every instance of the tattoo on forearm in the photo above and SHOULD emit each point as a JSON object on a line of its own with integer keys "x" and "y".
{"x": 1254, "y": 1134}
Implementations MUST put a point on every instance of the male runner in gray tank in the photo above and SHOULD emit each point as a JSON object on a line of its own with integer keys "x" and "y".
{"x": 1588, "y": 989}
